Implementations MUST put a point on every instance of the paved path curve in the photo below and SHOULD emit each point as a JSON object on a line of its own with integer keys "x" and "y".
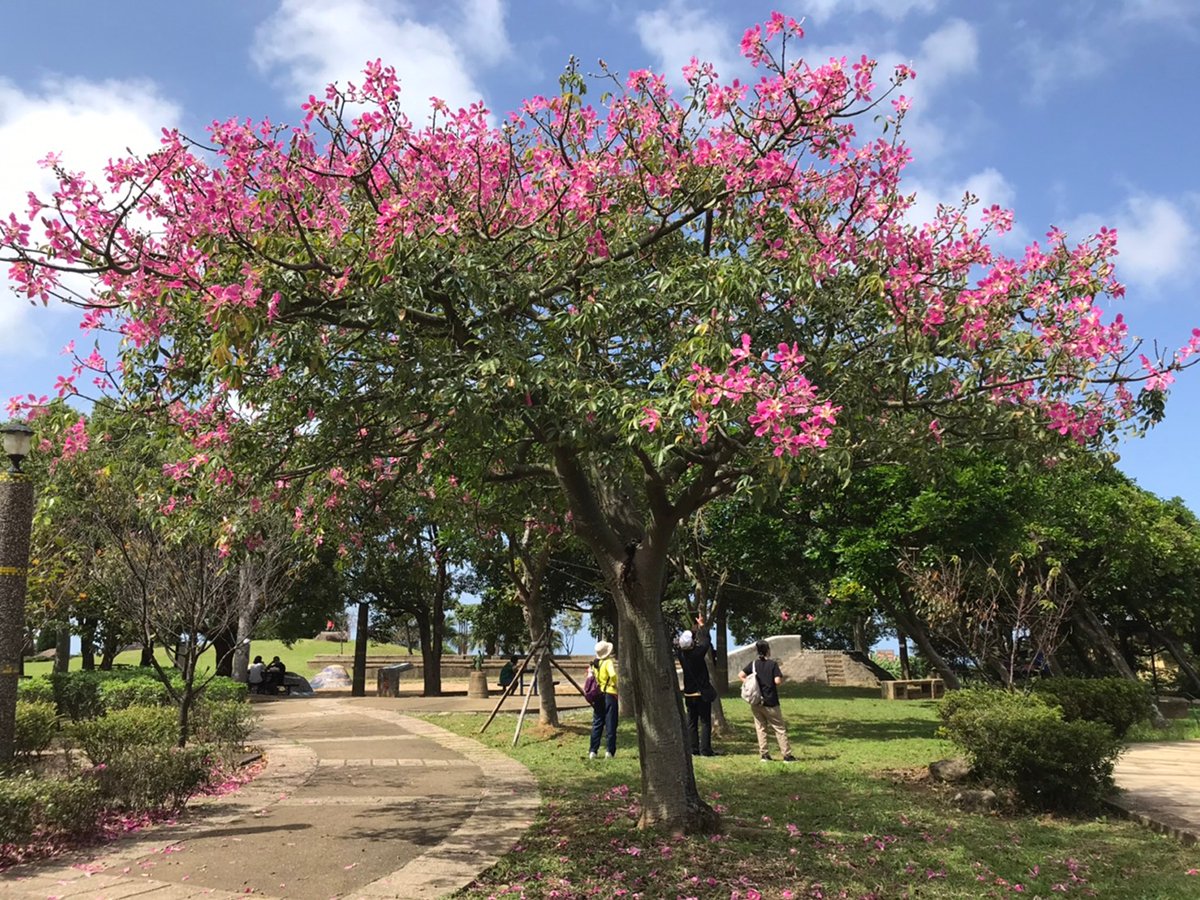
{"x": 357, "y": 800}
{"x": 1160, "y": 787}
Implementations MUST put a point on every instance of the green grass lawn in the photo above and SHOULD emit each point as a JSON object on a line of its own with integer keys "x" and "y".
{"x": 296, "y": 657}
{"x": 1187, "y": 729}
{"x": 851, "y": 819}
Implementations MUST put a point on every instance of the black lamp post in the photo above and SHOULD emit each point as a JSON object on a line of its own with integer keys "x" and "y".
{"x": 16, "y": 522}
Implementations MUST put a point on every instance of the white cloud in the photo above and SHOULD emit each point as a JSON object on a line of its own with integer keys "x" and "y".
{"x": 311, "y": 43}
{"x": 1157, "y": 240}
{"x": 892, "y": 9}
{"x": 86, "y": 123}
{"x": 483, "y": 32}
{"x": 1051, "y": 64}
{"x": 950, "y": 51}
{"x": 1160, "y": 10}
{"x": 676, "y": 32}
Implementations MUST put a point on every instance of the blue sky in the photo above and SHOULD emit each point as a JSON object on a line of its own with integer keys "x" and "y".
{"x": 1074, "y": 113}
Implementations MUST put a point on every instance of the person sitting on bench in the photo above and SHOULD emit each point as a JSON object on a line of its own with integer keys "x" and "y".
{"x": 508, "y": 671}
{"x": 273, "y": 676}
{"x": 256, "y": 675}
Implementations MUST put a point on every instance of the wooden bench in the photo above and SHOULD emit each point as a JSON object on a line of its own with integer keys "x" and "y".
{"x": 915, "y": 689}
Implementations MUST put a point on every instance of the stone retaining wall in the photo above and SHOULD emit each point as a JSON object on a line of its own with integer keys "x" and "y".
{"x": 454, "y": 666}
{"x": 800, "y": 664}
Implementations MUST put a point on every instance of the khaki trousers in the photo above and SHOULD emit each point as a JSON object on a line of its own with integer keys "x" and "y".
{"x": 771, "y": 716}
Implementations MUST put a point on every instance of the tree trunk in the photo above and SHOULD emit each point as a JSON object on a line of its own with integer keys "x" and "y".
{"x": 358, "y": 681}
{"x": 669, "y": 793}
{"x": 249, "y": 596}
{"x": 431, "y": 655}
{"x": 633, "y": 564}
{"x": 905, "y": 668}
{"x": 224, "y": 643}
{"x": 108, "y": 650}
{"x": 185, "y": 709}
{"x": 62, "y": 647}
{"x": 721, "y": 661}
{"x": 1091, "y": 625}
{"x": 147, "y": 658}
{"x": 1128, "y": 651}
{"x": 916, "y": 628}
{"x": 87, "y": 644}
{"x": 1081, "y": 651}
{"x": 719, "y": 723}
{"x": 1087, "y": 619}
{"x": 860, "y": 634}
{"x": 1175, "y": 648}
{"x": 241, "y": 653}
{"x": 431, "y": 659}
{"x": 537, "y": 621}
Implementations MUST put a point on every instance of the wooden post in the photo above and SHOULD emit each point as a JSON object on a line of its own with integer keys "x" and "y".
{"x": 524, "y": 709}
{"x": 565, "y": 674}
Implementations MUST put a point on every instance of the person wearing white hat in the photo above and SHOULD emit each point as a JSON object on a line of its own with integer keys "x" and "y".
{"x": 698, "y": 692}
{"x": 604, "y": 709}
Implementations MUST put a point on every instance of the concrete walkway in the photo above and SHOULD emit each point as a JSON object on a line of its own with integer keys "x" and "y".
{"x": 1160, "y": 787}
{"x": 357, "y": 800}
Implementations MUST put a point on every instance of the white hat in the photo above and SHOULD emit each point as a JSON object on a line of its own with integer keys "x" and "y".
{"x": 603, "y": 650}
{"x": 685, "y": 641}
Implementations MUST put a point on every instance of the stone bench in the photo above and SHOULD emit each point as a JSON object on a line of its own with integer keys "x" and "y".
{"x": 913, "y": 689}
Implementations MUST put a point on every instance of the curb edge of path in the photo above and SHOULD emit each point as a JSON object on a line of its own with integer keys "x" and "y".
{"x": 1156, "y": 820}
{"x": 506, "y": 810}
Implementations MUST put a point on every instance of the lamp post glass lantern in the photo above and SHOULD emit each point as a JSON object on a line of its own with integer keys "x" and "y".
{"x": 18, "y": 438}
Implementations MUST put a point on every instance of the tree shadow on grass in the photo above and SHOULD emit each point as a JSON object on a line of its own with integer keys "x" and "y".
{"x": 889, "y": 730}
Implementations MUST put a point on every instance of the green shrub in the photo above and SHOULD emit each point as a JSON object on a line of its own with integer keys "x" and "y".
{"x": 1019, "y": 742}
{"x": 222, "y": 690}
{"x": 225, "y": 724}
{"x": 77, "y": 694}
{"x": 32, "y": 806}
{"x": 147, "y": 777}
{"x": 1117, "y": 702}
{"x": 143, "y": 690}
{"x": 35, "y": 690}
{"x": 37, "y": 724}
{"x": 106, "y": 738}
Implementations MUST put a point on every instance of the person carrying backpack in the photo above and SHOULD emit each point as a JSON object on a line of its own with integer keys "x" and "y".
{"x": 604, "y": 707}
{"x": 767, "y": 713}
{"x": 698, "y": 692}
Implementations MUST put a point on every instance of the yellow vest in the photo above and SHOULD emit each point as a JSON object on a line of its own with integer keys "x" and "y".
{"x": 606, "y": 674}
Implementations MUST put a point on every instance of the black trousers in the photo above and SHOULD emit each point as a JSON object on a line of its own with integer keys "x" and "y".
{"x": 699, "y": 713}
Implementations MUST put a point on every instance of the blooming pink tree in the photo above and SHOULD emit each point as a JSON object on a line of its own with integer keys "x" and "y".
{"x": 648, "y": 303}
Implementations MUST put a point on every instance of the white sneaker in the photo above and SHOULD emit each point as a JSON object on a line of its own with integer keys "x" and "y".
{"x": 607, "y": 755}
{"x": 592, "y": 754}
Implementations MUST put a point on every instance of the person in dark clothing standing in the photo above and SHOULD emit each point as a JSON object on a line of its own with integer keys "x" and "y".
{"x": 768, "y": 715}
{"x": 698, "y": 691}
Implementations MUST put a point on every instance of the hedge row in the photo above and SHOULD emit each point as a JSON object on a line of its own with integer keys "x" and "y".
{"x": 135, "y": 765}
{"x": 86, "y": 695}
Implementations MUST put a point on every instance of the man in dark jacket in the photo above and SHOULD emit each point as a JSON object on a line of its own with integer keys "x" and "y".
{"x": 698, "y": 692}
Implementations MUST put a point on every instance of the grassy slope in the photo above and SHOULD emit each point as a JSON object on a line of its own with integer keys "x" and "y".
{"x": 295, "y": 657}
{"x": 849, "y": 817}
